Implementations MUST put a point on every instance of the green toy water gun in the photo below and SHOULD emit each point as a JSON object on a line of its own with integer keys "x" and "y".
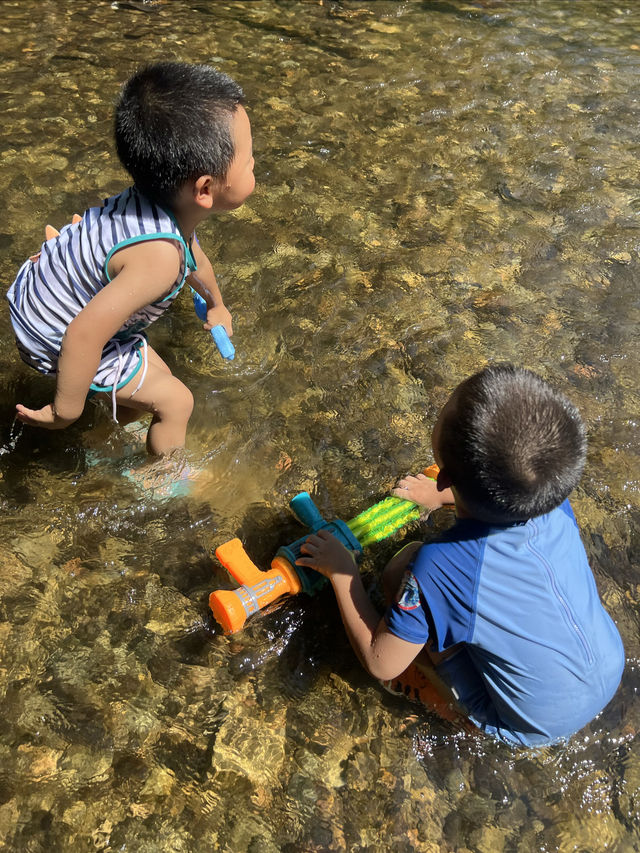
{"x": 232, "y": 607}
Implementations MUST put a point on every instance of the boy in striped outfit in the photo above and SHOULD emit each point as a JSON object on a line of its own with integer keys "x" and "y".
{"x": 79, "y": 308}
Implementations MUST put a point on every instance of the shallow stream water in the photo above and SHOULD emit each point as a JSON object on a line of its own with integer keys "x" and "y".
{"x": 440, "y": 184}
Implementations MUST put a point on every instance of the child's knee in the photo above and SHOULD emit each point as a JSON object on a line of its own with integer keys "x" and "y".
{"x": 173, "y": 400}
{"x": 391, "y": 578}
{"x": 183, "y": 402}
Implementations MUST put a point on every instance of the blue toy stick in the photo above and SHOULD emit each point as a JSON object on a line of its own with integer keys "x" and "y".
{"x": 218, "y": 333}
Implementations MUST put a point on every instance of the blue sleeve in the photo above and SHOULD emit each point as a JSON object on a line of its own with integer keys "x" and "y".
{"x": 437, "y": 598}
{"x": 568, "y": 510}
{"x": 406, "y": 617}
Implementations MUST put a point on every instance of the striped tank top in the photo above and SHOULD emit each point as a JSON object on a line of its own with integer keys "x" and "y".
{"x": 52, "y": 289}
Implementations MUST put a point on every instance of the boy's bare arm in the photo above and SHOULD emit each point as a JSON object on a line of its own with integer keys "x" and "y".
{"x": 205, "y": 283}
{"x": 142, "y": 273}
{"x": 424, "y": 491}
{"x": 381, "y": 653}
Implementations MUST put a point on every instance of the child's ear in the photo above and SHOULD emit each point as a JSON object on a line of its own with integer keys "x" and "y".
{"x": 443, "y": 480}
{"x": 204, "y": 191}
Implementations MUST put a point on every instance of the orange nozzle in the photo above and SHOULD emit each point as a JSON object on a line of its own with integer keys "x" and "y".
{"x": 229, "y": 611}
{"x": 231, "y": 607}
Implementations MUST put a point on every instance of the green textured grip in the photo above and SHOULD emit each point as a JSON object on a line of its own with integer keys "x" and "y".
{"x": 383, "y": 519}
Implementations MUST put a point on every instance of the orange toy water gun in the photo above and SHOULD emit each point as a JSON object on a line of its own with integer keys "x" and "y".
{"x": 231, "y": 608}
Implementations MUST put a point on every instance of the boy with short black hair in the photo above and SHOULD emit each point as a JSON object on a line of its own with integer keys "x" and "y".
{"x": 80, "y": 306}
{"x": 503, "y": 606}
{"x": 501, "y": 478}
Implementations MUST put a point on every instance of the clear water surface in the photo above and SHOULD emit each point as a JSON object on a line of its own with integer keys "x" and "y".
{"x": 440, "y": 184}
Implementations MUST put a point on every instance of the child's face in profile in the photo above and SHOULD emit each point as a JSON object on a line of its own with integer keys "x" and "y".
{"x": 239, "y": 182}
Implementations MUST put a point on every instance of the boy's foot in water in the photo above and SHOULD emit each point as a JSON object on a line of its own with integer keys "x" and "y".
{"x": 167, "y": 477}
{"x": 415, "y": 685}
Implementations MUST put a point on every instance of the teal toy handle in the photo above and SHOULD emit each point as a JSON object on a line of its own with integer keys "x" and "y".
{"x": 308, "y": 513}
{"x": 218, "y": 333}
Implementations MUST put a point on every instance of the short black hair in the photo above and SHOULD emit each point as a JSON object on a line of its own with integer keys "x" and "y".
{"x": 173, "y": 124}
{"x": 513, "y": 446}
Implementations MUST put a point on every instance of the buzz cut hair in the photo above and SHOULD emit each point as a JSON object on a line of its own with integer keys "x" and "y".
{"x": 173, "y": 124}
{"x": 513, "y": 446}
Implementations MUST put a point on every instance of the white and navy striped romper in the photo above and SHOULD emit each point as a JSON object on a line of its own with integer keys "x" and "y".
{"x": 72, "y": 268}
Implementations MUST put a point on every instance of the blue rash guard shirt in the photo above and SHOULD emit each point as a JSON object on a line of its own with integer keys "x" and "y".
{"x": 541, "y": 656}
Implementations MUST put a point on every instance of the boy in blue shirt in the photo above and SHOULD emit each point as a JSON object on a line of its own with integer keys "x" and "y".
{"x": 502, "y": 608}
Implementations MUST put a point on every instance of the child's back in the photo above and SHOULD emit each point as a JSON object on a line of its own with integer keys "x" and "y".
{"x": 540, "y": 655}
{"x": 73, "y": 267}
{"x": 504, "y": 605}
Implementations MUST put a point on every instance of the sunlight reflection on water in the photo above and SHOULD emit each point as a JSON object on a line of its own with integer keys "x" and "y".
{"x": 439, "y": 184}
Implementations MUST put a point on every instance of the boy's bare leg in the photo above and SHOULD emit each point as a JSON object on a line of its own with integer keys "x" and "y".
{"x": 425, "y": 663}
{"x": 126, "y": 414}
{"x": 167, "y": 398}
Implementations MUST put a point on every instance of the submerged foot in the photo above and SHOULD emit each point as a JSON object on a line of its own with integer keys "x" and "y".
{"x": 167, "y": 477}
{"x": 414, "y": 684}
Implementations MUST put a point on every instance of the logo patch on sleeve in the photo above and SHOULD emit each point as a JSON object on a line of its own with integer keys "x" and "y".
{"x": 408, "y": 596}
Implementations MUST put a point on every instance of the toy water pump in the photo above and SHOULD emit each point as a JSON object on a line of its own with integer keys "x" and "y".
{"x": 231, "y": 608}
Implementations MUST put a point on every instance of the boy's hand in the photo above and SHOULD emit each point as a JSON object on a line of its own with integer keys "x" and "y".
{"x": 327, "y": 555}
{"x": 421, "y": 490}
{"x": 219, "y": 316}
{"x": 45, "y": 417}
